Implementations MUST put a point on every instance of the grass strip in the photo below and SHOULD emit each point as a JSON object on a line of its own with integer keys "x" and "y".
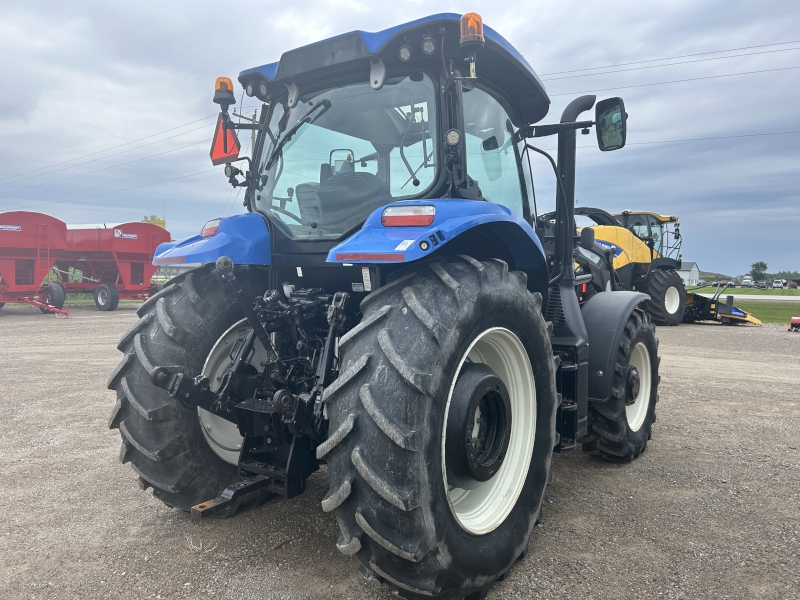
{"x": 770, "y": 311}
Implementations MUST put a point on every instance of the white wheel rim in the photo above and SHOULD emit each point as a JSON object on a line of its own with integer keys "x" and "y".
{"x": 672, "y": 300}
{"x": 102, "y": 297}
{"x": 222, "y": 435}
{"x": 636, "y": 412}
{"x": 484, "y": 508}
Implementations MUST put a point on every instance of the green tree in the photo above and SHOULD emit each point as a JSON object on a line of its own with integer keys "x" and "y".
{"x": 758, "y": 269}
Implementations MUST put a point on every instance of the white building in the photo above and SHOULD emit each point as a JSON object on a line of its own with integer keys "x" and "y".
{"x": 690, "y": 273}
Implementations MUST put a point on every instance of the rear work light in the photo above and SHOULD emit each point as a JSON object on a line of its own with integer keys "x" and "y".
{"x": 408, "y": 216}
{"x": 210, "y": 228}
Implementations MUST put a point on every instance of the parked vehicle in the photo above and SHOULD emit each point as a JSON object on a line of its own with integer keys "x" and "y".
{"x": 777, "y": 284}
{"x": 393, "y": 314}
{"x": 762, "y": 285}
{"x": 746, "y": 282}
{"x": 792, "y": 285}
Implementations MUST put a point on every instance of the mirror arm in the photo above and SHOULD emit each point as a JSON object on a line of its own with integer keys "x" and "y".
{"x": 533, "y": 131}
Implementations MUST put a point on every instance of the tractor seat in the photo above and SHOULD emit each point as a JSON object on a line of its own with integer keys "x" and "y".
{"x": 346, "y": 195}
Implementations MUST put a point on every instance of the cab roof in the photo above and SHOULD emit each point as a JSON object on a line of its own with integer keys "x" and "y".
{"x": 498, "y": 63}
{"x": 656, "y": 216}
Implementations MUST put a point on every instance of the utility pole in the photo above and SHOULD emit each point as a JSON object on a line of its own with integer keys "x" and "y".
{"x": 253, "y": 120}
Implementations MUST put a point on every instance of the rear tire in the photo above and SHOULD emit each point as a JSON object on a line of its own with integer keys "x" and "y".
{"x": 667, "y": 303}
{"x": 53, "y": 295}
{"x": 622, "y": 425}
{"x": 388, "y": 410}
{"x": 162, "y": 440}
{"x": 106, "y": 297}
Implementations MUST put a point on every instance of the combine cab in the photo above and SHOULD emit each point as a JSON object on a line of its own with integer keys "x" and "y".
{"x": 390, "y": 308}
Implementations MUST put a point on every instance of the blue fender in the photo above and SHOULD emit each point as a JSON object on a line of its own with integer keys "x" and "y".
{"x": 242, "y": 238}
{"x": 376, "y": 244}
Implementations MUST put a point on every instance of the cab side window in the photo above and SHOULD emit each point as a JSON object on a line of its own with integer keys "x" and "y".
{"x": 492, "y": 159}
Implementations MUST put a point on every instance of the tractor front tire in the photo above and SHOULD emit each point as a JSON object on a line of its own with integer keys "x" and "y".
{"x": 166, "y": 443}
{"x": 390, "y": 442}
{"x": 667, "y": 303}
{"x": 622, "y": 425}
{"x": 106, "y": 297}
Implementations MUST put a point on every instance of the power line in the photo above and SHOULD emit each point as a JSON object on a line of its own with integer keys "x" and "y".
{"x": 701, "y": 139}
{"x": 104, "y": 168}
{"x": 102, "y": 158}
{"x": 638, "y": 62}
{"x": 625, "y": 87}
{"x": 107, "y": 149}
{"x": 115, "y": 191}
{"x": 685, "y": 62}
{"x": 720, "y": 137}
{"x": 117, "y": 146}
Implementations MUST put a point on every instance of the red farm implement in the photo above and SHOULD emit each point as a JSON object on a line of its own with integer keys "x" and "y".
{"x": 111, "y": 263}
{"x": 29, "y": 245}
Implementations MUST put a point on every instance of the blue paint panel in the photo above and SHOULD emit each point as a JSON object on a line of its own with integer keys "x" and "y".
{"x": 242, "y": 238}
{"x": 375, "y": 41}
{"x": 453, "y": 217}
{"x": 617, "y": 250}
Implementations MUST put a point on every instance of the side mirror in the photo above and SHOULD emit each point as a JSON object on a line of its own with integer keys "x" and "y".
{"x": 610, "y": 118}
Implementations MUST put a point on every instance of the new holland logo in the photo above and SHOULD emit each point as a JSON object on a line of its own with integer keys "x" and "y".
{"x": 10, "y": 228}
{"x": 128, "y": 236}
{"x": 617, "y": 250}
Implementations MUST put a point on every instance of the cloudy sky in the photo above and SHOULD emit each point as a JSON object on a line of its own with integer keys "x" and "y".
{"x": 106, "y": 112}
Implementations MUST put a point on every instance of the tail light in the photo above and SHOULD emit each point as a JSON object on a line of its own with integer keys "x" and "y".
{"x": 408, "y": 216}
{"x": 210, "y": 228}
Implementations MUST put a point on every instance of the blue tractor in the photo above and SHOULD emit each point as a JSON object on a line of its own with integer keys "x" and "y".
{"x": 392, "y": 309}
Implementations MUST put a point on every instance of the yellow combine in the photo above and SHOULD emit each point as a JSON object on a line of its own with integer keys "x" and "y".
{"x": 644, "y": 248}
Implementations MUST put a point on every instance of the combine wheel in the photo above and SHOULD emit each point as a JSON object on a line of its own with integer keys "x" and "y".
{"x": 106, "y": 297}
{"x": 186, "y": 456}
{"x": 667, "y": 303}
{"x": 621, "y": 426}
{"x": 53, "y": 295}
{"x": 442, "y": 426}
{"x": 2, "y": 304}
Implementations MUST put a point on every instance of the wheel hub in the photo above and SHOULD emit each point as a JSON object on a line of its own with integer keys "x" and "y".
{"x": 632, "y": 383}
{"x": 478, "y": 427}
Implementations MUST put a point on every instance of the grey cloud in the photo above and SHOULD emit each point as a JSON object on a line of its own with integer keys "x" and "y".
{"x": 83, "y": 76}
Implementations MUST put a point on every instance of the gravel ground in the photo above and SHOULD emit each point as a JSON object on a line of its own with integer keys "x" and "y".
{"x": 710, "y": 510}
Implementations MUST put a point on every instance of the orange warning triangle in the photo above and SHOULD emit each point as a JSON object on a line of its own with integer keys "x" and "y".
{"x": 225, "y": 147}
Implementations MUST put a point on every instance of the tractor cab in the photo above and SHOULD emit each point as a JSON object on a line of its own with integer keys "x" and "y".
{"x": 363, "y": 120}
{"x": 660, "y": 232}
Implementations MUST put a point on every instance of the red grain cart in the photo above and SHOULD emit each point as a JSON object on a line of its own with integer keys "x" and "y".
{"x": 114, "y": 262}
{"x": 29, "y": 245}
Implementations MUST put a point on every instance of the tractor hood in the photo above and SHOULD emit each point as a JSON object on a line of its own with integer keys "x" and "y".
{"x": 352, "y": 52}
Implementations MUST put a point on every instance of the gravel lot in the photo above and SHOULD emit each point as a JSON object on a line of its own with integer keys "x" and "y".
{"x": 710, "y": 510}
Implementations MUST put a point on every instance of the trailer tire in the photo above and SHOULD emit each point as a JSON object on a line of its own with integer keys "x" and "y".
{"x": 667, "y": 303}
{"x": 390, "y": 414}
{"x": 162, "y": 440}
{"x": 2, "y": 304}
{"x": 622, "y": 425}
{"x": 61, "y": 285}
{"x": 54, "y": 296}
{"x": 106, "y": 297}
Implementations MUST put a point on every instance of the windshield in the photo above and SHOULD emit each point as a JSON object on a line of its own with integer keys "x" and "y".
{"x": 352, "y": 149}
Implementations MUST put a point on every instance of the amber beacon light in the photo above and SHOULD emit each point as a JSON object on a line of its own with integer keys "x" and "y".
{"x": 472, "y": 31}
{"x": 223, "y": 92}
